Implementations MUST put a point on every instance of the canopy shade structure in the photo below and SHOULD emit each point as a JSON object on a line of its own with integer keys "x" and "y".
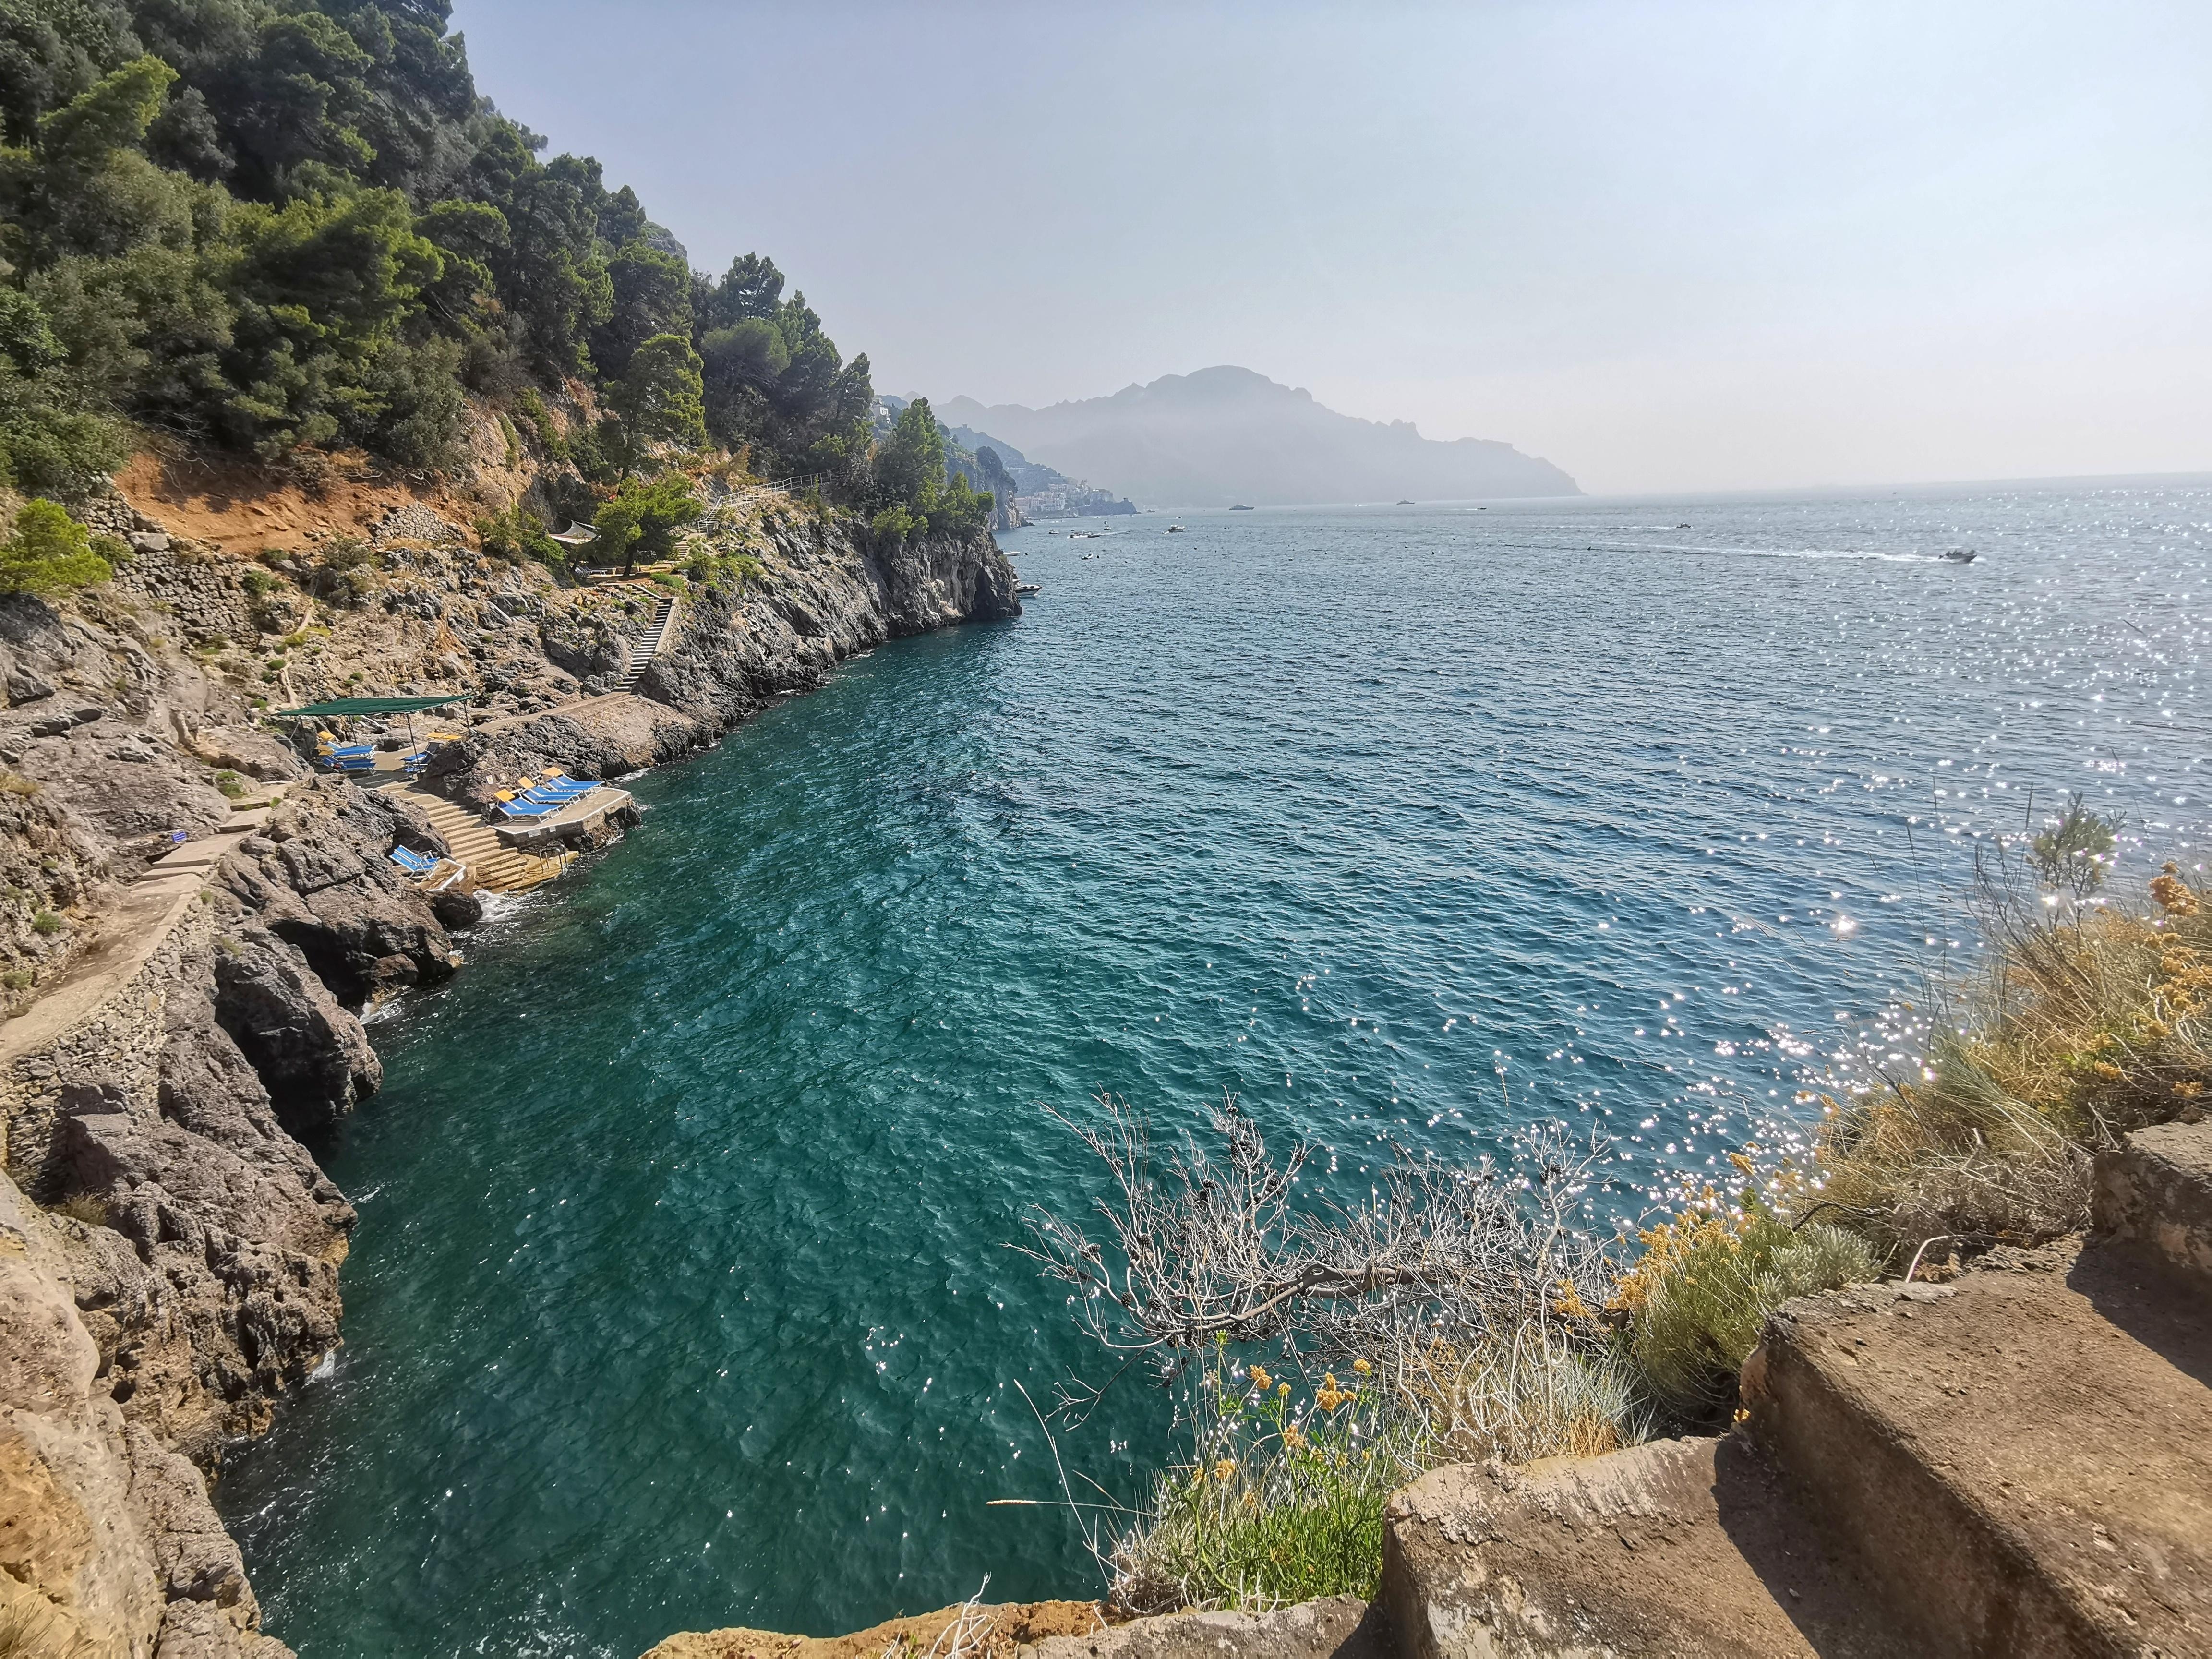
{"x": 343, "y": 706}
{"x": 576, "y": 535}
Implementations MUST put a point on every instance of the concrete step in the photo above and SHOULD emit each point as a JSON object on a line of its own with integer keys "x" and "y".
{"x": 2023, "y": 1458}
{"x": 477, "y": 844}
{"x": 1679, "y": 1549}
{"x": 2154, "y": 1196}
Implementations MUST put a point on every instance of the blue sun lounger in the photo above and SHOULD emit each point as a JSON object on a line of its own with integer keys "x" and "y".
{"x": 568, "y": 790}
{"x": 528, "y": 809}
{"x": 414, "y": 863}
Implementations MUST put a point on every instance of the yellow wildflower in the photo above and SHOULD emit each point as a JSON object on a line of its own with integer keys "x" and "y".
{"x": 1362, "y": 1366}
{"x": 1261, "y": 1380}
{"x": 1225, "y": 1469}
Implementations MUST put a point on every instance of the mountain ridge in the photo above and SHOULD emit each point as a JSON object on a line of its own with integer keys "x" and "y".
{"x": 1225, "y": 434}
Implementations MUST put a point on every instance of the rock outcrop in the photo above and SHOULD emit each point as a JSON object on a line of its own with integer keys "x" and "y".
{"x": 1333, "y": 1627}
{"x": 2016, "y": 1465}
{"x": 169, "y": 1252}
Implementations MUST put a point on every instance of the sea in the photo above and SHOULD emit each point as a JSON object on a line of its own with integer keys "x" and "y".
{"x": 682, "y": 1294}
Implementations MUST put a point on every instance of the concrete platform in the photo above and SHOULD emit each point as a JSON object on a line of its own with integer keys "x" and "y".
{"x": 573, "y": 822}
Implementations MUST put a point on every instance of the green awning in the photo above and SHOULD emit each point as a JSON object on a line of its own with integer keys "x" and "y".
{"x": 368, "y": 705}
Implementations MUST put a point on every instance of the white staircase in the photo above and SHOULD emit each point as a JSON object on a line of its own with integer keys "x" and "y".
{"x": 658, "y": 633}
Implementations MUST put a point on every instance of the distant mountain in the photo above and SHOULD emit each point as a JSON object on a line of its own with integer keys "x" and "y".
{"x": 1225, "y": 435}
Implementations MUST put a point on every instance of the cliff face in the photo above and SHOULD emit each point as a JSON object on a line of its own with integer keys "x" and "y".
{"x": 169, "y": 1252}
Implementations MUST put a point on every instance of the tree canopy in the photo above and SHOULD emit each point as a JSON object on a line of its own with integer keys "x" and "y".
{"x": 266, "y": 223}
{"x": 51, "y": 553}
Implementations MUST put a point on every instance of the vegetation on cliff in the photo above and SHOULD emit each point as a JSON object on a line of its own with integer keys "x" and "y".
{"x": 1459, "y": 1314}
{"x": 273, "y": 226}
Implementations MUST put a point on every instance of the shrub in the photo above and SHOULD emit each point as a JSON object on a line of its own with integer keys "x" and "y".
{"x": 46, "y": 922}
{"x": 345, "y": 573}
{"x": 230, "y": 784}
{"x": 2075, "y": 850}
{"x": 14, "y": 783}
{"x": 1698, "y": 1298}
{"x": 85, "y": 1207}
{"x": 893, "y": 524}
{"x": 2088, "y": 1020}
{"x": 18, "y": 979}
{"x": 518, "y": 534}
{"x": 257, "y": 583}
{"x": 1459, "y": 1299}
{"x": 1280, "y": 1500}
{"x": 51, "y": 553}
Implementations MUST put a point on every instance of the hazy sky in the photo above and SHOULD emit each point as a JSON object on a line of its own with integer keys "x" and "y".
{"x": 1668, "y": 246}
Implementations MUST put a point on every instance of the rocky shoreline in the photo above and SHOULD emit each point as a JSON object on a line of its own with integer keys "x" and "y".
{"x": 169, "y": 1252}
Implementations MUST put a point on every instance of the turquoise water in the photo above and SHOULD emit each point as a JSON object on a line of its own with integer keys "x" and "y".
{"x": 678, "y": 1298}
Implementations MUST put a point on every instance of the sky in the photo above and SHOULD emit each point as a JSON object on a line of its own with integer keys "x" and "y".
{"x": 1680, "y": 246}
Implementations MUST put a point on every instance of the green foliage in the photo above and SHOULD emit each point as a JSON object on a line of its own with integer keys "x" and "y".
{"x": 1700, "y": 1293}
{"x": 531, "y": 408}
{"x": 893, "y": 524}
{"x": 274, "y": 223}
{"x": 1278, "y": 1498}
{"x": 772, "y": 379}
{"x": 51, "y": 553}
{"x": 343, "y": 574}
{"x": 660, "y": 398}
{"x": 910, "y": 467}
{"x": 2075, "y": 852}
{"x": 46, "y": 922}
{"x": 651, "y": 295}
{"x": 642, "y": 522}
{"x": 519, "y": 534}
{"x": 724, "y": 573}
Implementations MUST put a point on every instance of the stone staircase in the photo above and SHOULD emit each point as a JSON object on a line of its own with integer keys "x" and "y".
{"x": 2017, "y": 1465}
{"x": 477, "y": 844}
{"x": 658, "y": 633}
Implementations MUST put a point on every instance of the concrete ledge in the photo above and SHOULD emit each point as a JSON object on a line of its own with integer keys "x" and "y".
{"x": 2022, "y": 1458}
{"x": 2155, "y": 1191}
{"x": 573, "y": 822}
{"x": 1679, "y": 1549}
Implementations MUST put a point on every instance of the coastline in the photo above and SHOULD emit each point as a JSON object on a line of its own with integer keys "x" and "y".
{"x": 169, "y": 1253}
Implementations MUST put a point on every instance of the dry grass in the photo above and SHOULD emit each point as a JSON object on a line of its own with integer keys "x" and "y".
{"x": 85, "y": 1207}
{"x": 2092, "y": 1019}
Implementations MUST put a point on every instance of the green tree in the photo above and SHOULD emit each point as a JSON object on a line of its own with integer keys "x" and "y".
{"x": 651, "y": 296}
{"x": 51, "y": 553}
{"x": 659, "y": 400}
{"x": 642, "y": 522}
{"x": 910, "y": 462}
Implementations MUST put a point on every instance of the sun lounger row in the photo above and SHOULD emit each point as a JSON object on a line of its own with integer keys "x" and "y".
{"x": 535, "y": 800}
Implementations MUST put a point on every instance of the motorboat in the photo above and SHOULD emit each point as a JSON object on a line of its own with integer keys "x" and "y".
{"x": 1959, "y": 555}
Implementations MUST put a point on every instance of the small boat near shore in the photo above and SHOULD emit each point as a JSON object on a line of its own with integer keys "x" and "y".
{"x": 1959, "y": 555}
{"x": 1024, "y": 590}
{"x": 1174, "y": 530}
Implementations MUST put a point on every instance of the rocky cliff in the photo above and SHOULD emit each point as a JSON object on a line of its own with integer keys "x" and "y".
{"x": 169, "y": 1252}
